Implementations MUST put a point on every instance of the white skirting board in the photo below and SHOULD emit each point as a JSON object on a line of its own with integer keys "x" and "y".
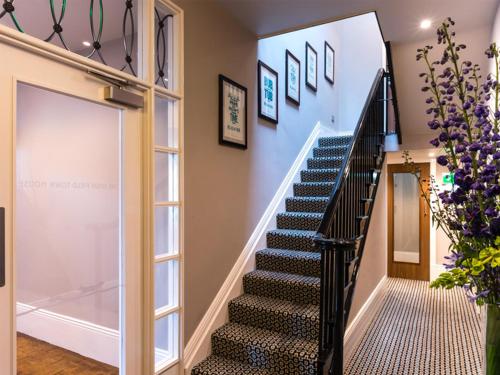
{"x": 85, "y": 338}
{"x": 198, "y": 347}
{"x": 360, "y": 323}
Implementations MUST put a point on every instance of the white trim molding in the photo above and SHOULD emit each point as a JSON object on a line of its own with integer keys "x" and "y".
{"x": 365, "y": 315}
{"x": 198, "y": 347}
{"x": 88, "y": 339}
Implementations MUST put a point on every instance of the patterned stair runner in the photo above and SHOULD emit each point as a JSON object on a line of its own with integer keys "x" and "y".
{"x": 273, "y": 327}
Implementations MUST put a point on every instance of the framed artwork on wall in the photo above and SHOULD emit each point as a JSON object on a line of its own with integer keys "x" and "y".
{"x": 268, "y": 93}
{"x": 311, "y": 67}
{"x": 292, "y": 78}
{"x": 232, "y": 113}
{"x": 329, "y": 63}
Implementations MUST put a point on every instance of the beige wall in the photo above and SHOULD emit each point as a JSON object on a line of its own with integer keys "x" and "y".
{"x": 374, "y": 264}
{"x": 222, "y": 200}
{"x": 416, "y": 134}
{"x": 227, "y": 189}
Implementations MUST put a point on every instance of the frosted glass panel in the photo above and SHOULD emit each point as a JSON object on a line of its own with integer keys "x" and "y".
{"x": 67, "y": 210}
{"x": 166, "y": 230}
{"x": 167, "y": 177}
{"x": 166, "y": 279}
{"x": 406, "y": 218}
{"x": 166, "y": 126}
{"x": 166, "y": 339}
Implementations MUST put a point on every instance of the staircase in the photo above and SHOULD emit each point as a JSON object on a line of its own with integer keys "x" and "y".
{"x": 274, "y": 326}
{"x": 292, "y": 315}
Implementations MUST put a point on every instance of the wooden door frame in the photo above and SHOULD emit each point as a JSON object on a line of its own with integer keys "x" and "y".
{"x": 420, "y": 271}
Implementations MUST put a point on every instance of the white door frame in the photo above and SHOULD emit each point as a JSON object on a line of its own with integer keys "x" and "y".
{"x": 144, "y": 353}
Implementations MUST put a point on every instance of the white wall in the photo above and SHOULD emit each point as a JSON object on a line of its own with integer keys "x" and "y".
{"x": 67, "y": 206}
{"x": 351, "y": 39}
{"x": 362, "y": 55}
{"x": 412, "y": 106}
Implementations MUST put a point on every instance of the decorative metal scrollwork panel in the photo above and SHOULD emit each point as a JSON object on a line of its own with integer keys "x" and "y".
{"x": 89, "y": 28}
{"x": 163, "y": 53}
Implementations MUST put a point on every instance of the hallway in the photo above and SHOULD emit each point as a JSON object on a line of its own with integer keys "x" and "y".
{"x": 419, "y": 330}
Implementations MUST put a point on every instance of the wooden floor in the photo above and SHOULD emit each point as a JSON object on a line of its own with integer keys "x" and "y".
{"x": 35, "y": 357}
{"x": 419, "y": 331}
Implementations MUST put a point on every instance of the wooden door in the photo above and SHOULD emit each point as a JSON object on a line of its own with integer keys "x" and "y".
{"x": 408, "y": 222}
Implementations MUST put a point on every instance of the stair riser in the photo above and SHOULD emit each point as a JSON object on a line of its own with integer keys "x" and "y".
{"x": 274, "y": 361}
{"x": 329, "y": 152}
{"x": 296, "y": 292}
{"x": 334, "y": 141}
{"x": 287, "y": 323}
{"x": 320, "y": 163}
{"x": 317, "y": 175}
{"x": 278, "y": 241}
{"x": 297, "y": 205}
{"x": 306, "y": 190}
{"x": 298, "y": 222}
{"x": 306, "y": 267}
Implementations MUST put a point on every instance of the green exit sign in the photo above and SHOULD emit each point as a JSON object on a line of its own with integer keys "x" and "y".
{"x": 449, "y": 178}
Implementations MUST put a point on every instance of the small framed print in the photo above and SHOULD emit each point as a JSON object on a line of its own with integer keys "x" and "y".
{"x": 329, "y": 63}
{"x": 232, "y": 113}
{"x": 292, "y": 78}
{"x": 311, "y": 67}
{"x": 268, "y": 93}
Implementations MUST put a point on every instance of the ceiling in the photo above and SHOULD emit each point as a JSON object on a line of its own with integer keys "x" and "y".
{"x": 399, "y": 19}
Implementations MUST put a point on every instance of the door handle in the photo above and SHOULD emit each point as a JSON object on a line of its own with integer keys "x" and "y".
{"x": 2, "y": 247}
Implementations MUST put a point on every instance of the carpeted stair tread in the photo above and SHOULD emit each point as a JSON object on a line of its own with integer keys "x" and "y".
{"x": 216, "y": 365}
{"x": 334, "y": 141}
{"x": 276, "y": 315}
{"x": 299, "y": 220}
{"x": 291, "y": 239}
{"x": 313, "y": 189}
{"x": 324, "y": 162}
{"x": 287, "y": 286}
{"x": 279, "y": 353}
{"x": 273, "y": 327}
{"x": 319, "y": 175}
{"x": 289, "y": 261}
{"x": 333, "y": 151}
{"x": 306, "y": 204}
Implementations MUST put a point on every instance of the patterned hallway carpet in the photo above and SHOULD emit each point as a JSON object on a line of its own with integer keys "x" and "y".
{"x": 419, "y": 331}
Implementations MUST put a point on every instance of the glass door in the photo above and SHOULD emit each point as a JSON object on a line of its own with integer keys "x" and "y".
{"x": 70, "y": 163}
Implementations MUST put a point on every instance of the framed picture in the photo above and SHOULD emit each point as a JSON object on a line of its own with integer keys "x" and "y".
{"x": 311, "y": 67}
{"x": 232, "y": 113}
{"x": 268, "y": 93}
{"x": 292, "y": 78}
{"x": 329, "y": 63}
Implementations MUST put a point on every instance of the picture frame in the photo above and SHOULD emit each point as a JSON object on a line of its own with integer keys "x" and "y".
{"x": 233, "y": 113}
{"x": 311, "y": 67}
{"x": 292, "y": 77}
{"x": 268, "y": 102}
{"x": 329, "y": 63}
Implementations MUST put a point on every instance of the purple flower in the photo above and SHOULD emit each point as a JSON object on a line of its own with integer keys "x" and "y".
{"x": 442, "y": 160}
{"x": 474, "y": 147}
{"x": 434, "y": 142}
{"x": 495, "y": 226}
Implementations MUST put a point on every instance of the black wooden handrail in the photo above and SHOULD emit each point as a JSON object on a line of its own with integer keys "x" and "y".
{"x": 323, "y": 229}
{"x": 392, "y": 82}
{"x": 342, "y": 233}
